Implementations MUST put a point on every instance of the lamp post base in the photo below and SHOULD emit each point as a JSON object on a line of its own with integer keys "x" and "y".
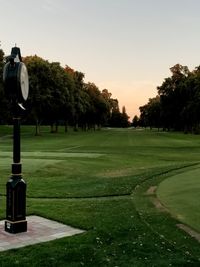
{"x": 15, "y": 227}
{"x": 16, "y": 205}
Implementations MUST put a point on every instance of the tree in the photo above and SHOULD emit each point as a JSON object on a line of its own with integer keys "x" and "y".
{"x": 135, "y": 121}
{"x": 150, "y": 113}
{"x": 98, "y": 109}
{"x": 68, "y": 108}
{"x": 79, "y": 99}
{"x": 177, "y": 105}
{"x": 115, "y": 114}
{"x": 173, "y": 97}
{"x": 107, "y": 96}
{"x": 190, "y": 114}
{"x": 40, "y": 98}
{"x": 59, "y": 95}
{"x": 124, "y": 118}
{"x": 59, "y": 90}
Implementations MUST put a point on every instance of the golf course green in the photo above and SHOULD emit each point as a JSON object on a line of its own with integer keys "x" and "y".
{"x": 180, "y": 194}
{"x": 110, "y": 184}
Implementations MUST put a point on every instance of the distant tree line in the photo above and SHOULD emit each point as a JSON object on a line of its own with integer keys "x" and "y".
{"x": 59, "y": 95}
{"x": 177, "y": 105}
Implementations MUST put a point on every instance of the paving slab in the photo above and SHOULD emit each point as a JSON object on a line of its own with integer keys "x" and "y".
{"x": 39, "y": 230}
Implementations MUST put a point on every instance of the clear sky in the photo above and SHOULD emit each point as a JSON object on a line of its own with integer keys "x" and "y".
{"x": 126, "y": 46}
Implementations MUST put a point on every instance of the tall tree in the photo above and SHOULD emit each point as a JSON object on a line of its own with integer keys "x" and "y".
{"x": 115, "y": 113}
{"x": 59, "y": 90}
{"x": 150, "y": 114}
{"x": 40, "y": 98}
{"x": 173, "y": 97}
{"x": 178, "y": 103}
{"x": 124, "y": 118}
{"x": 69, "y": 106}
{"x": 107, "y": 96}
{"x": 79, "y": 99}
{"x": 98, "y": 110}
{"x": 135, "y": 121}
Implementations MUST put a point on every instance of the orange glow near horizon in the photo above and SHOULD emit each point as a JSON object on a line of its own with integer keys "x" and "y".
{"x": 131, "y": 95}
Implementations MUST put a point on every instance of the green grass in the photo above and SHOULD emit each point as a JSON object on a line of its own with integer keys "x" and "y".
{"x": 180, "y": 193}
{"x": 97, "y": 181}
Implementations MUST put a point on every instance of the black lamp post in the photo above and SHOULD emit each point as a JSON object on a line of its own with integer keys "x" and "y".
{"x": 16, "y": 86}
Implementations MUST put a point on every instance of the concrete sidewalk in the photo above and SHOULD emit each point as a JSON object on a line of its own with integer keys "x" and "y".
{"x": 39, "y": 230}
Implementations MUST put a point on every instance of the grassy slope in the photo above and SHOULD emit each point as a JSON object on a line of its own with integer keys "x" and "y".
{"x": 180, "y": 193}
{"x": 87, "y": 180}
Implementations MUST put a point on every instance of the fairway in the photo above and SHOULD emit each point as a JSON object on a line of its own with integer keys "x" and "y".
{"x": 98, "y": 181}
{"x": 180, "y": 194}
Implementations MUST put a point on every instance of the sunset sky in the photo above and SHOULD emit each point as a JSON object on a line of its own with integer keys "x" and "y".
{"x": 126, "y": 46}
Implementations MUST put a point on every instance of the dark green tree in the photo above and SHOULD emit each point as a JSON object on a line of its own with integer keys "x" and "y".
{"x": 135, "y": 121}
{"x": 173, "y": 97}
{"x": 60, "y": 87}
{"x": 79, "y": 99}
{"x": 98, "y": 109}
{"x": 115, "y": 118}
{"x": 177, "y": 106}
{"x": 190, "y": 114}
{"x": 40, "y": 97}
{"x": 124, "y": 118}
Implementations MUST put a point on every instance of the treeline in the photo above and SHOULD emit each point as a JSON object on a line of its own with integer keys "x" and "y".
{"x": 177, "y": 105}
{"x": 59, "y": 95}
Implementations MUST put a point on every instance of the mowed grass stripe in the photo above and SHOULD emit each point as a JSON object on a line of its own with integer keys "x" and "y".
{"x": 39, "y": 154}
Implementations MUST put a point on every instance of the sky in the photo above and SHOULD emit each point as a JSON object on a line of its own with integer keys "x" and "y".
{"x": 125, "y": 46}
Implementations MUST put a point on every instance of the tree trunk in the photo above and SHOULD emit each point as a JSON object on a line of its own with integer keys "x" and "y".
{"x": 76, "y": 127}
{"x": 37, "y": 128}
{"x": 56, "y": 129}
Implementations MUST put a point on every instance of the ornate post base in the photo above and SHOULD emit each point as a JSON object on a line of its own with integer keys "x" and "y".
{"x": 16, "y": 205}
{"x": 16, "y": 227}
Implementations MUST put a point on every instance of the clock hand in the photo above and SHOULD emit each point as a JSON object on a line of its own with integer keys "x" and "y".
{"x": 20, "y": 105}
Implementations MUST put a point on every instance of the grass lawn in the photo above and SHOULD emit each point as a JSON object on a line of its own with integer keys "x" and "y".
{"x": 98, "y": 181}
{"x": 180, "y": 194}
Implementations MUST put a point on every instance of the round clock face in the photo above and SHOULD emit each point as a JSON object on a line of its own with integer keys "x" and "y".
{"x": 24, "y": 83}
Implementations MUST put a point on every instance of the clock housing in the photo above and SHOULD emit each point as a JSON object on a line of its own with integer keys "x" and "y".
{"x": 16, "y": 82}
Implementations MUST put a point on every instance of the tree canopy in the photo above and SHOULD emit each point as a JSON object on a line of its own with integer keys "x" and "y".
{"x": 177, "y": 105}
{"x": 59, "y": 95}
